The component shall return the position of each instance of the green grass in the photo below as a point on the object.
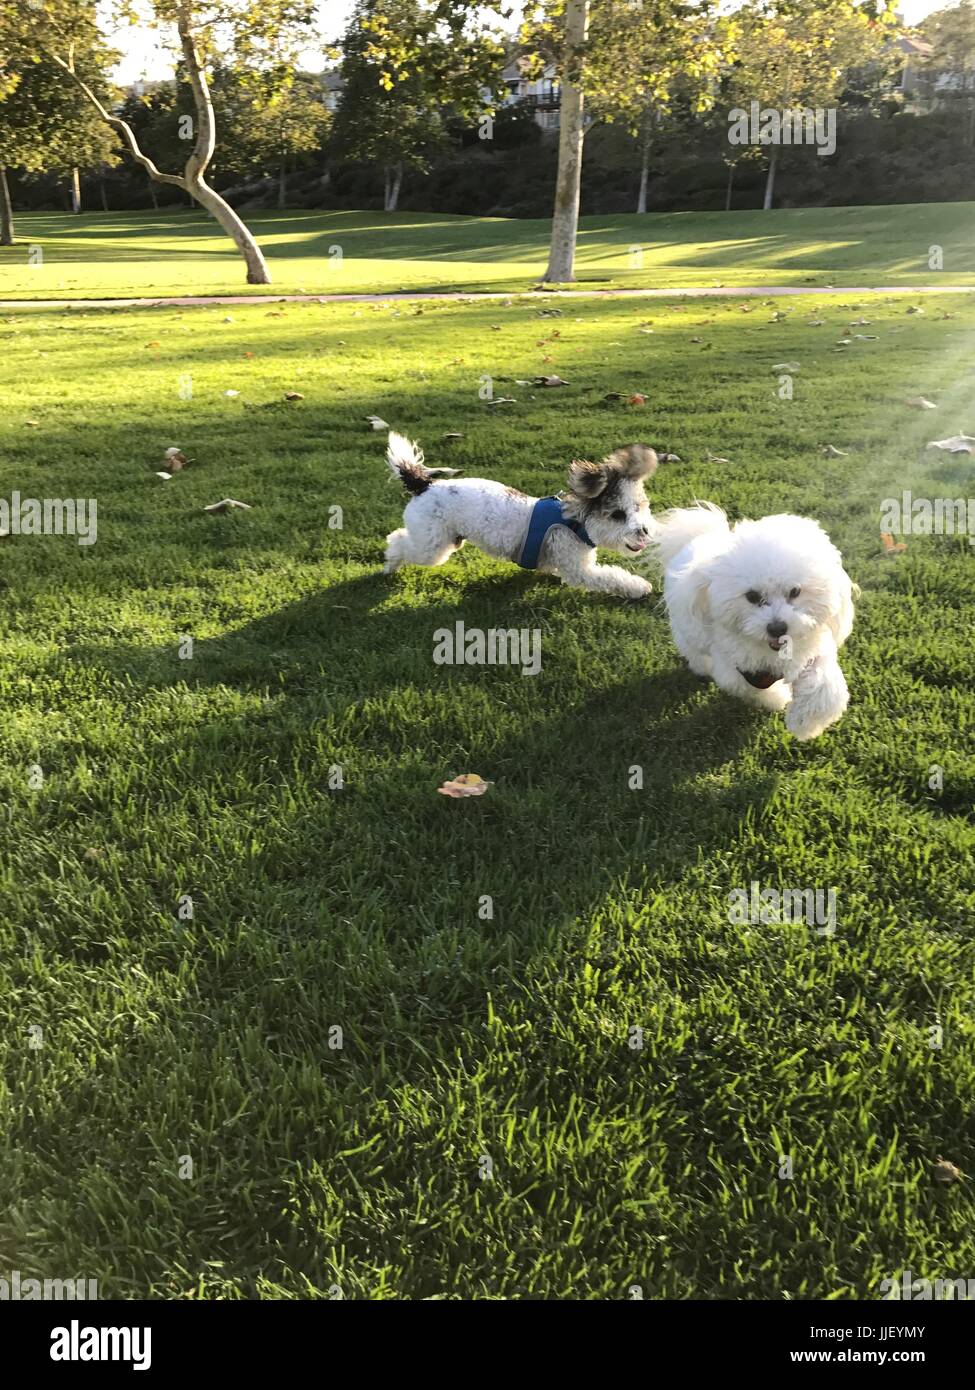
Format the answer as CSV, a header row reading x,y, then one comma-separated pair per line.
x,y
359,1168
177,253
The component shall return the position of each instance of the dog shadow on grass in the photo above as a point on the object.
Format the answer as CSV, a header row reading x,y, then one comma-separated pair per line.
x,y
636,773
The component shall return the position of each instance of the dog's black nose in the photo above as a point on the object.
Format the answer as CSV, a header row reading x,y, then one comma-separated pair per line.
x,y
777,629
644,530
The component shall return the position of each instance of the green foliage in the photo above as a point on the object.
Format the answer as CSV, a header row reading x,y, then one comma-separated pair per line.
x,y
408,67
46,124
267,116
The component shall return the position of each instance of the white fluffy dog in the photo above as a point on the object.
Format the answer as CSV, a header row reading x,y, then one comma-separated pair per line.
x,y
762,607
605,505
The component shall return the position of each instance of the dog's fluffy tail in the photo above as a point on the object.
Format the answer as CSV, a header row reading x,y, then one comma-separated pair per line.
x,y
674,529
405,460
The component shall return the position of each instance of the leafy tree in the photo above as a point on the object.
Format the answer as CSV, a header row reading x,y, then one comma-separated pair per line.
x,y
792,54
407,67
46,127
948,74
254,31
269,118
653,67
618,61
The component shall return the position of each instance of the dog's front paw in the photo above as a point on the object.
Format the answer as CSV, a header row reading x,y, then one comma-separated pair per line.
x,y
803,723
641,589
819,698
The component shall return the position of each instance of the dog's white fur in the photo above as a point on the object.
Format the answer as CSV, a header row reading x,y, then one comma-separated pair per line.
x,y
608,498
795,571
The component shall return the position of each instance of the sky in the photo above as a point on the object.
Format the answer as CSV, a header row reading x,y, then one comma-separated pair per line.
x,y
145,56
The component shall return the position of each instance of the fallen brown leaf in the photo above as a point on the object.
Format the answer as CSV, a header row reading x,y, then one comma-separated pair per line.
x,y
469,784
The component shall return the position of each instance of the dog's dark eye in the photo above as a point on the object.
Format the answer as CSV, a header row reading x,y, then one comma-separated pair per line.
x,y
618,515
794,593
753,596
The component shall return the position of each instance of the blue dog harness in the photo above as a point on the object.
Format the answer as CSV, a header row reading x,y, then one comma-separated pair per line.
x,y
546,513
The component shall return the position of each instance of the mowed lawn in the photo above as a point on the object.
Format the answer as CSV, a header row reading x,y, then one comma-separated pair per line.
x,y
182,252
178,1119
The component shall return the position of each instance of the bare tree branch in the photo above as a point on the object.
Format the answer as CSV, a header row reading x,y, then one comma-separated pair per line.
x,y
127,132
206,134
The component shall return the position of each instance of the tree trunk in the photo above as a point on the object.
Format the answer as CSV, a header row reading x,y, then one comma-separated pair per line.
x,y
75,188
101,186
565,217
209,198
192,180
152,195
770,178
731,184
394,181
6,211
641,202
283,183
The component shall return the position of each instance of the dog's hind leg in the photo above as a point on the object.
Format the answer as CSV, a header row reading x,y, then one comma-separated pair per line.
x,y
428,545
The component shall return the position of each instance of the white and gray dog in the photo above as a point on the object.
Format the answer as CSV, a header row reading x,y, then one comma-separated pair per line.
x,y
762,607
605,505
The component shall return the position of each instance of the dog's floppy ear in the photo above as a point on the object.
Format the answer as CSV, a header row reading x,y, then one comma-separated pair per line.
x,y
587,480
700,604
634,461
840,621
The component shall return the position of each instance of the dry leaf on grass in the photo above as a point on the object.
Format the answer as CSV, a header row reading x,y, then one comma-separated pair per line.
x,y
228,504
377,422
889,544
469,784
293,396
920,403
669,458
176,459
549,381
165,476
636,399
716,458
786,367
502,400
231,394
957,444
915,309
945,1171
832,452
451,436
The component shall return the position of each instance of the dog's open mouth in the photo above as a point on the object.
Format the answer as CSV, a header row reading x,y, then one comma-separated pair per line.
x,y
776,643
640,545
761,680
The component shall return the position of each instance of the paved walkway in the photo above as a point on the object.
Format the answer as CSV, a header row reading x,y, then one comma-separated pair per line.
x,y
712,292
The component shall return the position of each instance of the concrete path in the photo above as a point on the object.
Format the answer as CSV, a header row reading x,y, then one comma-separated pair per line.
x,y
722,292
